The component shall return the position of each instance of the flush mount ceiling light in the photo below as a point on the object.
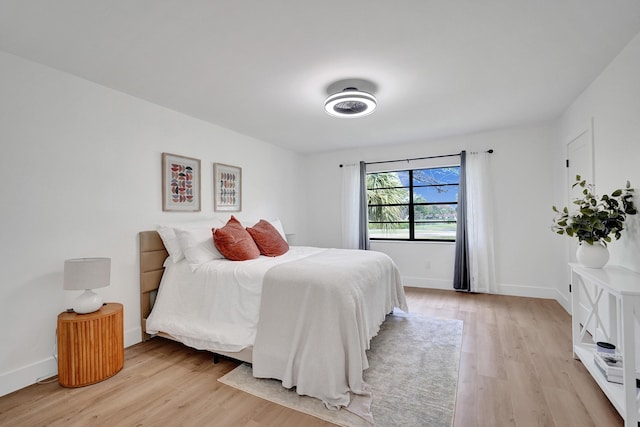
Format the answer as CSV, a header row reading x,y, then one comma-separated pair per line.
x,y
350,103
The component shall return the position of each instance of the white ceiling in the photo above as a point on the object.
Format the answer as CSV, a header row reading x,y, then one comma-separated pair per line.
x,y
262,68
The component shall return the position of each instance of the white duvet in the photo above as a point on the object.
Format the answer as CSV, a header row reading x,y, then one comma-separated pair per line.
x,y
338,300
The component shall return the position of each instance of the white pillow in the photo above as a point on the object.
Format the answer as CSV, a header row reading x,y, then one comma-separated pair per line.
x,y
277,224
171,244
170,239
197,244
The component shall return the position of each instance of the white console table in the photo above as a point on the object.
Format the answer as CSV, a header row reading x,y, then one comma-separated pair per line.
x,y
621,289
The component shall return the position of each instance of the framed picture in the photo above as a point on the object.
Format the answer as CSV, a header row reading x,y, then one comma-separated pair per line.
x,y
180,183
227,187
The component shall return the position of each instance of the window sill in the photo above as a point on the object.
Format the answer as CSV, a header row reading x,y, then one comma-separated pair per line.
x,y
422,242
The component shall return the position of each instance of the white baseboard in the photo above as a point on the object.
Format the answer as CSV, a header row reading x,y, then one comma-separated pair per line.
x,y
25,376
503,289
564,301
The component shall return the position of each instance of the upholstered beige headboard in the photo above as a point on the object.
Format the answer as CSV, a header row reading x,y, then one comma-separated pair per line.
x,y
152,256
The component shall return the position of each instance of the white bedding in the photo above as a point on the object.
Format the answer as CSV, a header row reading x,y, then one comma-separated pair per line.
x,y
215,307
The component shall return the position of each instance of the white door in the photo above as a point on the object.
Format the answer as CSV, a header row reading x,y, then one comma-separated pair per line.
x,y
579,162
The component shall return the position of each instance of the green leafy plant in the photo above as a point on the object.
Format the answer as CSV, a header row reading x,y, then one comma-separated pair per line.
x,y
597,219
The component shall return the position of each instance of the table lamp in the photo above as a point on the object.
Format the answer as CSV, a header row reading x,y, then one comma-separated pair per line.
x,y
87,274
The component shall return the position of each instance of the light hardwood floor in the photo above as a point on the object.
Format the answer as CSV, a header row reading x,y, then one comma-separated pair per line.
x,y
516,369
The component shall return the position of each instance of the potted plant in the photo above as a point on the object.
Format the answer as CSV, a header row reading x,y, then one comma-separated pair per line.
x,y
595,221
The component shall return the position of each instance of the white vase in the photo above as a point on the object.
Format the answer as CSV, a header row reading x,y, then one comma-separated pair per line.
x,y
592,256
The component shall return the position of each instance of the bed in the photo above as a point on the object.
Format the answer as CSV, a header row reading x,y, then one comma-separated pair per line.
x,y
313,312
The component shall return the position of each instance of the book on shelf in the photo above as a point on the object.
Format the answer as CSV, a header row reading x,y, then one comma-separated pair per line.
x,y
610,365
611,368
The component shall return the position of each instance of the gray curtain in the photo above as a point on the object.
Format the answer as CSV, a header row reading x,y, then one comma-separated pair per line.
x,y
461,279
364,209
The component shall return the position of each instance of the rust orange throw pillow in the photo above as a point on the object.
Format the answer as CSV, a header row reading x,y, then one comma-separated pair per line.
x,y
234,242
269,241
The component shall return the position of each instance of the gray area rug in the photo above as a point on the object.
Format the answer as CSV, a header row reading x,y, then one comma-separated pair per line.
x,y
413,374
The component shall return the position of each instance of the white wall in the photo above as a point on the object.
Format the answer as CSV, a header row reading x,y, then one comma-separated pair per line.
x,y
523,198
612,101
80,167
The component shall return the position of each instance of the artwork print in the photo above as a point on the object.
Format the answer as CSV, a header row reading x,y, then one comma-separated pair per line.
x,y
227,184
180,183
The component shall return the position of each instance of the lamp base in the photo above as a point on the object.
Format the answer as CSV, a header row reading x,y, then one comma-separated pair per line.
x,y
87,302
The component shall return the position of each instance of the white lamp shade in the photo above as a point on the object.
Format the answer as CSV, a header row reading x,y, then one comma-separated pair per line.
x,y
86,273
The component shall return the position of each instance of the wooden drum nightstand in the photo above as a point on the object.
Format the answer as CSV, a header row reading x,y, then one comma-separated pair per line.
x,y
90,346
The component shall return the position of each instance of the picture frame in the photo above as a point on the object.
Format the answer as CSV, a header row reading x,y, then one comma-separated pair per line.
x,y
180,183
227,185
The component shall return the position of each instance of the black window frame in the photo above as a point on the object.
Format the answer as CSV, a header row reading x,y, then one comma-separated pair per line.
x,y
412,204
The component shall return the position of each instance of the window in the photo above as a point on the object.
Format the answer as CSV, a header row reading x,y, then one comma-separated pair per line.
x,y
416,204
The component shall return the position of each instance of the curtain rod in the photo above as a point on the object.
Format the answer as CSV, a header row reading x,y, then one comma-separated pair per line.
x,y
418,158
